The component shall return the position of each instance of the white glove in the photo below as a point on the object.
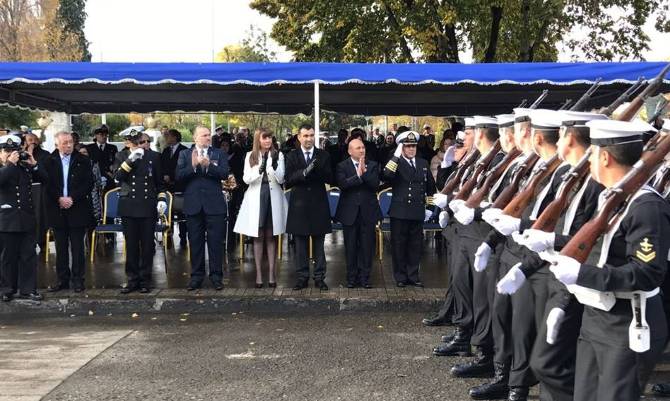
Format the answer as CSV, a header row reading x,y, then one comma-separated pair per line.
x,y
491,214
554,320
482,256
512,281
465,215
505,224
161,207
538,240
456,204
444,218
519,238
103,181
428,215
398,150
485,204
440,200
565,268
448,158
136,154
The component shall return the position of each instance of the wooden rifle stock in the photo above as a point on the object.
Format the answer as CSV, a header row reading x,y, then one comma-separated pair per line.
x,y
521,200
490,178
622,98
581,244
649,91
467,161
523,170
550,215
481,166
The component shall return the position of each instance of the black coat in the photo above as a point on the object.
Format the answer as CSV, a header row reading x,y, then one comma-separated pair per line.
x,y
410,188
357,194
308,209
17,213
202,189
141,185
105,159
169,166
79,186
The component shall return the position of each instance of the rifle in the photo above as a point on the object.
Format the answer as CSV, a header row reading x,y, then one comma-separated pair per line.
x,y
622,98
579,106
639,100
522,104
662,180
490,178
581,244
481,166
517,205
539,99
550,215
523,169
467,161
566,104
659,109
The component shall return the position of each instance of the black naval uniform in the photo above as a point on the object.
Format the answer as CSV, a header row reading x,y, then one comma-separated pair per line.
x,y
410,186
141,188
17,229
607,369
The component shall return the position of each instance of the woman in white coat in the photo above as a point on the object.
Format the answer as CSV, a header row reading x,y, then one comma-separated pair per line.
x,y
264,208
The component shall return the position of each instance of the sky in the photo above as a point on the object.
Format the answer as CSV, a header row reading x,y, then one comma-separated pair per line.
x,y
195,30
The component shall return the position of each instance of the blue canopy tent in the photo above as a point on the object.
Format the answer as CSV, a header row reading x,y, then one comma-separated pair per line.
x,y
289,88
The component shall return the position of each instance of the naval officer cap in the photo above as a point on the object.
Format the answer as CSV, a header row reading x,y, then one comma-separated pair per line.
x,y
408,138
131,133
522,114
505,120
614,132
485,122
10,142
543,119
571,118
469,122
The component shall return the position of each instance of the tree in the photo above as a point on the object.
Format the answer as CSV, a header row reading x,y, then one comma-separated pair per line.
x,y
253,48
436,30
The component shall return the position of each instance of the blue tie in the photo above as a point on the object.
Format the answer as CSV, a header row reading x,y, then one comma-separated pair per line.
x,y
66,170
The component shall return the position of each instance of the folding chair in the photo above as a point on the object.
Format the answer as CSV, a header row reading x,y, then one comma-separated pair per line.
x,y
109,216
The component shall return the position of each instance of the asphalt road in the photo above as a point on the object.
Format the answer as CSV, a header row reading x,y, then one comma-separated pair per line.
x,y
242,357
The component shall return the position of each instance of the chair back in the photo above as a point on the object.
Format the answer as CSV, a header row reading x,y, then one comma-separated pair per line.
x,y
385,198
110,210
333,200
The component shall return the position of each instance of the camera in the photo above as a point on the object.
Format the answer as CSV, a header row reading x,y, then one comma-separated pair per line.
x,y
23,156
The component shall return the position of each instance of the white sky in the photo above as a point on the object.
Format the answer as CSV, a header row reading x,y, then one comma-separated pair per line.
x,y
194,30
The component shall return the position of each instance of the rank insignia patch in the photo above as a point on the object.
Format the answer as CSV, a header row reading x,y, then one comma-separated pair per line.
x,y
646,252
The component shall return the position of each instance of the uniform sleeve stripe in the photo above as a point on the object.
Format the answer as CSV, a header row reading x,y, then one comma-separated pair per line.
x,y
125,167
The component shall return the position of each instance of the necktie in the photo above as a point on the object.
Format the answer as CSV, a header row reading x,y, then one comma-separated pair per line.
x,y
411,162
308,158
356,165
202,152
102,147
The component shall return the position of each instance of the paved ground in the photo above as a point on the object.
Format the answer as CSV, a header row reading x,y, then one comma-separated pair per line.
x,y
350,356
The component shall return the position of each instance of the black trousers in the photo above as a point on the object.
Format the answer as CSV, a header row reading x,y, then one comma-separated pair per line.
x,y
406,240
359,245
206,228
139,236
70,238
461,274
302,257
18,262
450,235
501,320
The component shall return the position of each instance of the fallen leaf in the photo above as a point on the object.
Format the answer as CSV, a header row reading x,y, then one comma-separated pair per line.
x,y
134,315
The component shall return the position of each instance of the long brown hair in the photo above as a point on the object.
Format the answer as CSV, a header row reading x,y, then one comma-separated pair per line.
x,y
255,157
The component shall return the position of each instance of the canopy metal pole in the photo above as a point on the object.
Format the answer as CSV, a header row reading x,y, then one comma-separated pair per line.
x,y
317,115
212,123
386,125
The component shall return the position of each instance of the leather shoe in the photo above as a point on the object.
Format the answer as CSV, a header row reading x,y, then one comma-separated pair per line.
x,y
144,290
493,390
33,296
661,389
300,285
7,297
460,345
58,287
218,285
518,394
400,284
367,286
192,286
79,289
351,285
481,366
435,321
128,290
447,338
417,284
320,284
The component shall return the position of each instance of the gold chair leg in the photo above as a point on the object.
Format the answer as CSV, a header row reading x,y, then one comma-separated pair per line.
x,y
92,246
311,253
46,247
165,250
279,247
381,245
241,247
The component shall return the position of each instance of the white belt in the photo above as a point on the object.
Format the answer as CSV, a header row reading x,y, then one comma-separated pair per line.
x,y
631,294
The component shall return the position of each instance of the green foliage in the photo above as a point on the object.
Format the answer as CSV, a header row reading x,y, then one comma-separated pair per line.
x,y
254,48
71,17
13,118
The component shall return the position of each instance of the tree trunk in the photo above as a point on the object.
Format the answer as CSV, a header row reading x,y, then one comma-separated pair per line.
x,y
404,47
496,16
524,43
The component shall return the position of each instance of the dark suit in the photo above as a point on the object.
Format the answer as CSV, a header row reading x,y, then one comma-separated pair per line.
x,y
205,210
69,225
105,159
358,211
17,228
169,168
410,187
308,209
141,188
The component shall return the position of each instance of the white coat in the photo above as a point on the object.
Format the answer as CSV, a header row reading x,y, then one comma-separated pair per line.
x,y
247,219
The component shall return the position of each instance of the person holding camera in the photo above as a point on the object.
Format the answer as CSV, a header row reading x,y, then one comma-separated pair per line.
x,y
308,170
18,263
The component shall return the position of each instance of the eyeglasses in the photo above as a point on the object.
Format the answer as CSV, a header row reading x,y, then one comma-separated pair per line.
x,y
142,142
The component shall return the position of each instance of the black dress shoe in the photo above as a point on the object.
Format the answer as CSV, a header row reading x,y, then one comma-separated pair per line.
x,y
661,389
518,394
128,290
351,285
447,338
300,285
58,287
496,389
435,321
259,285
144,290
460,345
417,284
272,285
78,289
218,285
367,286
33,296
320,284
481,366
400,284
7,297
192,286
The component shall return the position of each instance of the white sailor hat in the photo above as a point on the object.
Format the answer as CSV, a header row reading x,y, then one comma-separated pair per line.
x,y
131,132
469,122
578,118
666,125
426,126
505,120
10,141
522,114
460,136
544,119
407,138
614,132
485,122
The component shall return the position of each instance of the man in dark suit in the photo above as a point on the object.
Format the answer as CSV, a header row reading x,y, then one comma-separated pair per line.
x,y
358,211
104,154
169,158
69,210
308,170
411,182
200,170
